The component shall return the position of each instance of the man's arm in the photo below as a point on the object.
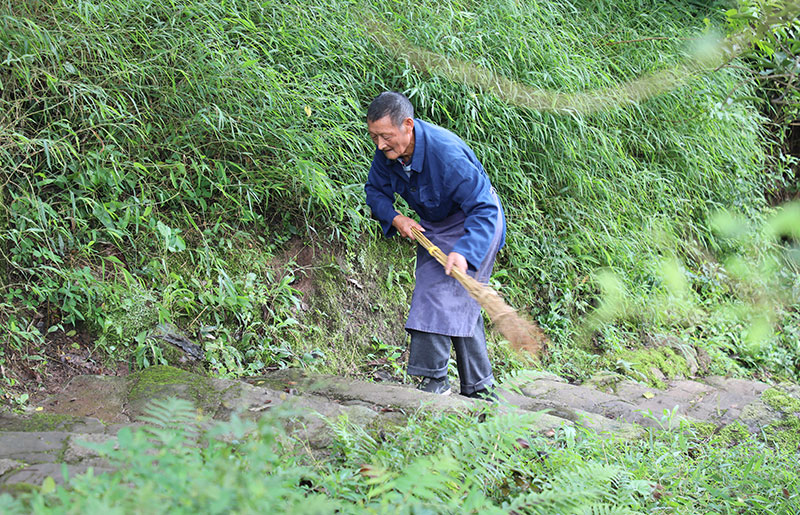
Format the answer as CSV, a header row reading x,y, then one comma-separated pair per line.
x,y
472,191
455,260
380,199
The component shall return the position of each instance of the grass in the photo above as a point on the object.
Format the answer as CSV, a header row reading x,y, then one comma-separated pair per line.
x,y
176,149
161,161
487,462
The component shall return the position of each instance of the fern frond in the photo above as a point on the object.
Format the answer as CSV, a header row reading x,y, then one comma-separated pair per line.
x,y
587,489
170,413
610,509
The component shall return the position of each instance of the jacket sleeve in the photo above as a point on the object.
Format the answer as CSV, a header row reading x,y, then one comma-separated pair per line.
x,y
470,188
380,199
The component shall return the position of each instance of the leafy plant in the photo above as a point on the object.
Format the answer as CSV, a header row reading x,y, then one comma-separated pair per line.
x,y
189,171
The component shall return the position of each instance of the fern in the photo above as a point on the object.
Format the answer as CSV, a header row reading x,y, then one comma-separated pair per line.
x,y
353,441
170,413
445,463
590,489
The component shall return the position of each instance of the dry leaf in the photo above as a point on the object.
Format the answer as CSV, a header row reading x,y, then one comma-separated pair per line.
x,y
658,491
260,408
355,283
369,471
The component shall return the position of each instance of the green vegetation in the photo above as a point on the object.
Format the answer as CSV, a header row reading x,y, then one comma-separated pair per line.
x,y
40,422
159,161
200,164
461,463
773,58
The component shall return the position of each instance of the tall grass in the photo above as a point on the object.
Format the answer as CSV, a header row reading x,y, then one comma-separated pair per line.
x,y
146,143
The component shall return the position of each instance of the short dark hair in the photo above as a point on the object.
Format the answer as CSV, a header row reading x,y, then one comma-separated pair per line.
x,y
392,104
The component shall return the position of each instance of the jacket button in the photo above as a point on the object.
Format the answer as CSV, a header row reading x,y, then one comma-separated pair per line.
x,y
413,190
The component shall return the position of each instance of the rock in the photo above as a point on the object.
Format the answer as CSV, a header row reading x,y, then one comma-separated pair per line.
x,y
36,474
605,381
757,415
359,415
100,397
7,465
42,421
162,382
93,409
76,451
689,353
88,425
172,335
605,426
657,374
527,377
381,395
32,447
561,394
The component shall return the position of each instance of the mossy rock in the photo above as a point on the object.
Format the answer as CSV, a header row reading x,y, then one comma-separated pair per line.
x,y
165,381
733,433
38,422
785,399
604,381
703,429
785,434
653,366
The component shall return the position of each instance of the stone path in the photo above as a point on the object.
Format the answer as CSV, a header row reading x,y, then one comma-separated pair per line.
x,y
94,408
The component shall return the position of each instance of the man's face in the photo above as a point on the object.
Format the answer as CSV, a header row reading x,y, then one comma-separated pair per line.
x,y
393,141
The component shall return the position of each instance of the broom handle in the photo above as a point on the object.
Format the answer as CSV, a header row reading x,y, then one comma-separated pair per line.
x,y
521,333
437,253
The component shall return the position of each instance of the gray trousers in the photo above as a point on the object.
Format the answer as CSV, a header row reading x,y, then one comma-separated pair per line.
x,y
429,355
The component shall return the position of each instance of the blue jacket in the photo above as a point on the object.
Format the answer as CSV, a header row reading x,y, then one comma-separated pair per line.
x,y
446,177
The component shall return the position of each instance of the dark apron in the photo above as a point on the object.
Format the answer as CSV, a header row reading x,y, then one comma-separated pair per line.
x,y
439,303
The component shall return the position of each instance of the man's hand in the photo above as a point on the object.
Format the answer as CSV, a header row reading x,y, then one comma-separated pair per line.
x,y
403,224
454,259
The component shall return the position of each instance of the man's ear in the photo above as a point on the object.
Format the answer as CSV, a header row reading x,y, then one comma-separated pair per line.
x,y
408,124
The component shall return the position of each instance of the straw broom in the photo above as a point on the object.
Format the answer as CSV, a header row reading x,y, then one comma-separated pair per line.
x,y
522,334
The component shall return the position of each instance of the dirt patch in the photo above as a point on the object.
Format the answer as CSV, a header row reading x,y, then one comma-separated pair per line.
x,y
304,256
65,354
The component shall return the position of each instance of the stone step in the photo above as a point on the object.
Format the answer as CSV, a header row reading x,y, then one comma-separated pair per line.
x,y
94,408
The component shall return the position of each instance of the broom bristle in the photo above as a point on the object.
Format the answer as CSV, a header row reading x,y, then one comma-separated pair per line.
x,y
522,334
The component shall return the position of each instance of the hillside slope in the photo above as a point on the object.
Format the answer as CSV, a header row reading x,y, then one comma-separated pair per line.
x,y
169,162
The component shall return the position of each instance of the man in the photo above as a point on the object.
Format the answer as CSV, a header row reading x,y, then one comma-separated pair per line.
x,y
440,178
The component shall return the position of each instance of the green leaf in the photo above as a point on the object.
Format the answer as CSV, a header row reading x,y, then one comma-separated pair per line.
x,y
48,486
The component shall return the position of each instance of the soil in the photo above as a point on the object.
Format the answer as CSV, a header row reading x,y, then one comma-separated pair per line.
x,y
304,256
66,354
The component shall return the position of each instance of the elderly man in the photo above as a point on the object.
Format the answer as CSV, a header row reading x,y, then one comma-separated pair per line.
x,y
440,178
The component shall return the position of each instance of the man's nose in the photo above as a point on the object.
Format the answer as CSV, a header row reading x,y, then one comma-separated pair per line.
x,y
382,143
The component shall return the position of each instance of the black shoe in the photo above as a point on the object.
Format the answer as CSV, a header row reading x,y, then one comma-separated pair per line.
x,y
439,386
483,394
